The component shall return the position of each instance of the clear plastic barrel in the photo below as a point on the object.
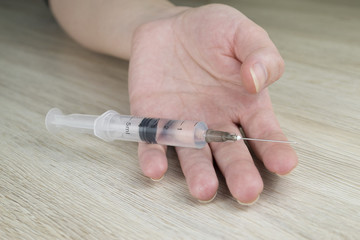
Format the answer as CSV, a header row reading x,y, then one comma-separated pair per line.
x,y
182,133
112,126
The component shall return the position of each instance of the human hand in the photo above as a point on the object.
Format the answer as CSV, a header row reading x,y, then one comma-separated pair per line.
x,y
211,64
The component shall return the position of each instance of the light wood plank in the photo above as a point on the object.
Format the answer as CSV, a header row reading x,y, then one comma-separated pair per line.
x,y
76,186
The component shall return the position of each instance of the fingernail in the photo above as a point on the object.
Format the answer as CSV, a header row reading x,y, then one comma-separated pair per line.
x,y
283,175
207,201
250,203
157,180
259,75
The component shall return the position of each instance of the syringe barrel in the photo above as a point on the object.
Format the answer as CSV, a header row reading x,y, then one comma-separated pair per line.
x,y
112,126
182,133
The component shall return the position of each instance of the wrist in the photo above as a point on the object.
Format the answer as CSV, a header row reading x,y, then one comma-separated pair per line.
x,y
108,26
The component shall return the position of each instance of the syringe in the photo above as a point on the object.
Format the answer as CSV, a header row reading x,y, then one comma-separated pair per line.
x,y
112,126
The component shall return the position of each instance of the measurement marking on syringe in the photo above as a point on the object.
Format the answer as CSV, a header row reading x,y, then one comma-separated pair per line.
x,y
127,127
180,128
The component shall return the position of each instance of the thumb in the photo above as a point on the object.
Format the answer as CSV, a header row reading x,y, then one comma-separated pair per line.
x,y
261,61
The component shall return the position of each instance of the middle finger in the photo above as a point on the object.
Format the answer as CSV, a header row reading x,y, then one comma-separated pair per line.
x,y
236,164
197,166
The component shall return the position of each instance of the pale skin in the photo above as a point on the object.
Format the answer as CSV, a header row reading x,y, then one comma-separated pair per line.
x,y
209,63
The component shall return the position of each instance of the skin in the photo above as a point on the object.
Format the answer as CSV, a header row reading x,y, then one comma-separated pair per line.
x,y
209,63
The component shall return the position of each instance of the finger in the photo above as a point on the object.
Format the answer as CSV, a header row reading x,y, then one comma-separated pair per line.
x,y
279,158
153,161
197,166
236,164
261,61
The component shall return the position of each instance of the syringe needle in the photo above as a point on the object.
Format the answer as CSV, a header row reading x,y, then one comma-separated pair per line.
x,y
264,140
220,136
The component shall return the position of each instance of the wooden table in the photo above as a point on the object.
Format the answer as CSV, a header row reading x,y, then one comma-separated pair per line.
x,y
71,186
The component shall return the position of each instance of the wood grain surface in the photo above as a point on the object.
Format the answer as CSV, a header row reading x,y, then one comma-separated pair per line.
x,y
71,186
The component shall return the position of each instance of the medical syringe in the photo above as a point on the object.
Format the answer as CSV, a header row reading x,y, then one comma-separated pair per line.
x,y
112,126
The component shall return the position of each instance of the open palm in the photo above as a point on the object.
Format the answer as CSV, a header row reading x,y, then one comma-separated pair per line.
x,y
210,64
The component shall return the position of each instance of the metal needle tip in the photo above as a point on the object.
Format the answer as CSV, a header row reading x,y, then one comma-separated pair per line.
x,y
238,138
